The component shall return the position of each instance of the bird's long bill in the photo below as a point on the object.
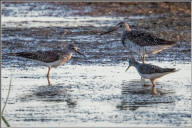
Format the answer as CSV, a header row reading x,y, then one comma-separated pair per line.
x,y
127,68
80,53
110,30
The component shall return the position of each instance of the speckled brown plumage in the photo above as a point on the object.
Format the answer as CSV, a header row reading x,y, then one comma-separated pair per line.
x,y
149,68
140,42
50,59
44,56
151,72
142,38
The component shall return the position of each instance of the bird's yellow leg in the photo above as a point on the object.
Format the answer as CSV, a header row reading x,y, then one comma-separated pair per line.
x,y
48,71
143,58
154,91
142,79
48,76
48,81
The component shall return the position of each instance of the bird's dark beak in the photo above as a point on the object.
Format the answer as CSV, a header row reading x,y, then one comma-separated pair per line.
x,y
127,68
80,53
109,31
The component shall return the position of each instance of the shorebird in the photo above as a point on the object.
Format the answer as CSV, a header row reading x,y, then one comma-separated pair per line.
x,y
140,42
50,58
151,72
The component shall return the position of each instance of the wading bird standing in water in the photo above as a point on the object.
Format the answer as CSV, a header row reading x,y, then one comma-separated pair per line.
x,y
50,58
139,42
151,72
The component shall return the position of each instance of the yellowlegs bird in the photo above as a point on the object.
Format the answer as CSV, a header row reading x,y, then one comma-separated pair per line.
x,y
139,42
151,72
50,58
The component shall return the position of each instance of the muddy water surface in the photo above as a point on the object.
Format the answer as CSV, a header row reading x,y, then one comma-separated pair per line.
x,y
91,91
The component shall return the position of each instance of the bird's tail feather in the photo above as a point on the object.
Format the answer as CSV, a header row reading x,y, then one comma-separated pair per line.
x,y
172,70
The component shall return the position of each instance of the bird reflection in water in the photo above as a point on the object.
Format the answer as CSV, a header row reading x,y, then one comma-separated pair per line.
x,y
134,96
56,93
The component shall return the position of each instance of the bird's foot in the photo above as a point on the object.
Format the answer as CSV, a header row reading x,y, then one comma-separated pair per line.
x,y
155,92
49,84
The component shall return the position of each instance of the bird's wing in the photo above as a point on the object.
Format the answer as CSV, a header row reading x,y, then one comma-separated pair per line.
x,y
149,69
146,39
44,56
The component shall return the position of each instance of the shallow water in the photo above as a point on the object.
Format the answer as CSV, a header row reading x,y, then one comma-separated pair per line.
x,y
91,91
99,95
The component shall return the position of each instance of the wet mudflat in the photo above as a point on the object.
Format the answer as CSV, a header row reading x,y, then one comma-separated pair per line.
x,y
93,91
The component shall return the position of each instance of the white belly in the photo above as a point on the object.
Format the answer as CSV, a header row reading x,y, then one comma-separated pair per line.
x,y
154,75
155,49
61,61
55,64
52,64
142,50
133,47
